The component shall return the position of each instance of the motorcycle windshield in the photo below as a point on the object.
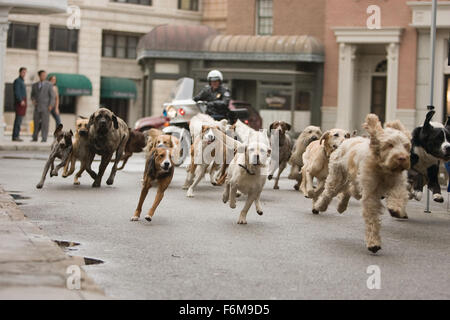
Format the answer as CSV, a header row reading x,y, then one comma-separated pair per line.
x,y
183,89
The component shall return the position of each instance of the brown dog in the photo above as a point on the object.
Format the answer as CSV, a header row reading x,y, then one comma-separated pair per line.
x,y
107,134
136,143
159,169
280,160
61,148
80,150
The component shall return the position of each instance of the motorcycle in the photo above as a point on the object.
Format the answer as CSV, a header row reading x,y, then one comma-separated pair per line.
x,y
181,109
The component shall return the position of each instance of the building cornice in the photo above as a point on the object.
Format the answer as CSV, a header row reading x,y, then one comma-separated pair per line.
x,y
421,14
365,35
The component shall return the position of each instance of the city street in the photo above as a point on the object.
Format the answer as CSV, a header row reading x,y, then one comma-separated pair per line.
x,y
194,249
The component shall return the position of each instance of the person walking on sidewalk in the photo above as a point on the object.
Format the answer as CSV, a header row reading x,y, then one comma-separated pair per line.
x,y
43,97
55,109
20,102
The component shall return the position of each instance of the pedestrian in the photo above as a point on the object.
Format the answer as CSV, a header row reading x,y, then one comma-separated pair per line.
x,y
20,102
43,98
55,108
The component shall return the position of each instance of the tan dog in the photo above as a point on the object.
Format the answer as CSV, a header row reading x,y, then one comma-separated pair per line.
x,y
371,169
315,161
108,134
307,136
80,150
159,170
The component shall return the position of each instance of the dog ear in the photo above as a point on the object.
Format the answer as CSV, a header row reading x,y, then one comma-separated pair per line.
x,y
81,117
354,133
152,165
428,117
347,135
58,129
397,125
373,125
287,126
116,123
71,133
91,121
324,137
272,125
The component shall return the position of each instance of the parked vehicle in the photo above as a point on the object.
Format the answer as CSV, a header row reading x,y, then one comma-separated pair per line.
x,y
254,120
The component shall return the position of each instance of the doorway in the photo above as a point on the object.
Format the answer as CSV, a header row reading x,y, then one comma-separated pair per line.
x,y
378,98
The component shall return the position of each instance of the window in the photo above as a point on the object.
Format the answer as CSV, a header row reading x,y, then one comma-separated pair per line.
x,y
9,98
143,2
63,39
303,101
67,104
118,106
119,46
265,17
188,5
22,36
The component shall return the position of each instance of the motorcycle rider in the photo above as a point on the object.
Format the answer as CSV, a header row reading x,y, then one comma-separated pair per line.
x,y
216,96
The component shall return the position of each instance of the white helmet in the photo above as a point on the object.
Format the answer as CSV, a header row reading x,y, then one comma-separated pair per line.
x,y
215,75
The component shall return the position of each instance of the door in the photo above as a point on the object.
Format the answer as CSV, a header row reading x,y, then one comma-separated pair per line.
x,y
378,99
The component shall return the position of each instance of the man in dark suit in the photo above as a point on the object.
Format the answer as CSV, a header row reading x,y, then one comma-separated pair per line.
x,y
43,97
20,102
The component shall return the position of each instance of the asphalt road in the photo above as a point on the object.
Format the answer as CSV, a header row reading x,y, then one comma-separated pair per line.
x,y
193,248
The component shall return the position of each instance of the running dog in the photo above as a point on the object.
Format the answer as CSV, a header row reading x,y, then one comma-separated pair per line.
x,y
135,144
280,160
315,161
247,173
107,134
61,149
371,169
159,170
80,150
310,134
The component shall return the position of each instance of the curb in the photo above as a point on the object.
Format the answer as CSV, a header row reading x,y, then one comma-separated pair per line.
x,y
32,266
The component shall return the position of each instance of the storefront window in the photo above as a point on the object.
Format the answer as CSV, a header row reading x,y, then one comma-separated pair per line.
x,y
67,104
303,101
276,99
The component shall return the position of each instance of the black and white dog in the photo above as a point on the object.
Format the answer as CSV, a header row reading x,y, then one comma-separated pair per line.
x,y
430,144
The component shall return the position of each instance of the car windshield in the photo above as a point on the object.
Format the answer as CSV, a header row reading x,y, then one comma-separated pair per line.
x,y
183,89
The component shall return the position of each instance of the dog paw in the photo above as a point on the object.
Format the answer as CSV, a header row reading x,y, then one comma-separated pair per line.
x,y
184,187
39,185
438,197
76,183
270,177
96,184
224,199
233,205
297,187
242,221
374,249
315,211
417,195
276,187
64,175
148,218
190,193
260,212
133,218
238,194
53,173
396,214
109,181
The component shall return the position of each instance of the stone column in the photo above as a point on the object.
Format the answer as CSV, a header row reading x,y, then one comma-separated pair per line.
x,y
392,50
346,77
3,38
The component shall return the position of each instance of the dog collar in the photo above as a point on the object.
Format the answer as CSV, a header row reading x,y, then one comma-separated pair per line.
x,y
246,169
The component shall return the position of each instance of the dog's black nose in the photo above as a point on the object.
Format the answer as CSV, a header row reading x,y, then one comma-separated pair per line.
x,y
166,165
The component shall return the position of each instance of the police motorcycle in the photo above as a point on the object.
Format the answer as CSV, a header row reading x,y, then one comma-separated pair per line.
x,y
181,109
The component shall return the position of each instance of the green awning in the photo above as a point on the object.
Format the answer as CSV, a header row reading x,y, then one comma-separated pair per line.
x,y
71,84
119,88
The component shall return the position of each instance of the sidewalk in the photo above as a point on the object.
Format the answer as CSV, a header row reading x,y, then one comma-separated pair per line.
x,y
6,144
31,265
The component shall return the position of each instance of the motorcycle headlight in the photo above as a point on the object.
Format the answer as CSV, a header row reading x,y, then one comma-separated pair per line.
x,y
171,112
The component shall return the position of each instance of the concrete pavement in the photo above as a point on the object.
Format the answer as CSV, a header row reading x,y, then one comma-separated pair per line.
x,y
31,265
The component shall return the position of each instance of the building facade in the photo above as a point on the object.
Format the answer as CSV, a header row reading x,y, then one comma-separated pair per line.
x,y
95,64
